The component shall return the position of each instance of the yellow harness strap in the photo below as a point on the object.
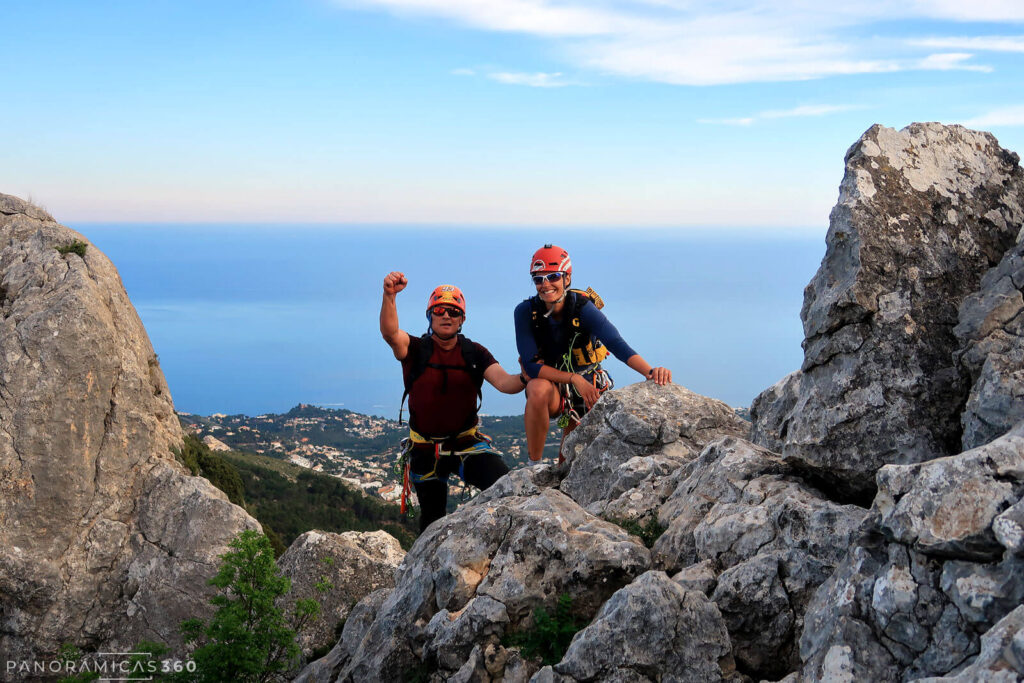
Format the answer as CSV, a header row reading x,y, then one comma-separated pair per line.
x,y
419,438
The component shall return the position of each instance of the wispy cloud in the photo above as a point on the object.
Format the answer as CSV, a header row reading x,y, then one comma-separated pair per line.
x,y
1004,116
463,72
977,43
704,42
534,80
803,110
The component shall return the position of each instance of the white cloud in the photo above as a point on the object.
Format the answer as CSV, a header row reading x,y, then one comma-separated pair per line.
x,y
1005,116
803,110
980,43
534,80
951,61
463,72
706,42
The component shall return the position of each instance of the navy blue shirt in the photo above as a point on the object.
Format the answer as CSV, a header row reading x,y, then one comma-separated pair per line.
x,y
591,318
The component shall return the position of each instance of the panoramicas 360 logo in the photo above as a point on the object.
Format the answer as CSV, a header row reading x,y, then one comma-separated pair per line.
x,y
111,666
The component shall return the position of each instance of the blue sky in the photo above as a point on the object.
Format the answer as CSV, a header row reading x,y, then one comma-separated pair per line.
x,y
486,112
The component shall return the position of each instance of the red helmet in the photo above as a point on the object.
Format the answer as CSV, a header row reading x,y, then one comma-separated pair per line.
x,y
449,295
550,257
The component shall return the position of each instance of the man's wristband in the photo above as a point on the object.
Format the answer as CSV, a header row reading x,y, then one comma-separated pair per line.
x,y
650,374
523,379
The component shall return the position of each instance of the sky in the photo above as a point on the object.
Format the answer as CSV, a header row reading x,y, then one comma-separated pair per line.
x,y
677,113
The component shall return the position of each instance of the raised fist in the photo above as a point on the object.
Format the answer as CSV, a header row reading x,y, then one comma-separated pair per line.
x,y
394,282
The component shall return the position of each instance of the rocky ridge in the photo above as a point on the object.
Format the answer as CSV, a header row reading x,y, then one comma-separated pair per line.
x,y
869,526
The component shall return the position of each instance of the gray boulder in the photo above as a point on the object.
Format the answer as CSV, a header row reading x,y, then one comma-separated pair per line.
x,y
327,668
104,539
991,353
767,538
923,213
633,438
479,573
651,630
1001,659
354,563
931,573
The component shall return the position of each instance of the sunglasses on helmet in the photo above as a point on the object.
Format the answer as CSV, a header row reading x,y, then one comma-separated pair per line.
x,y
547,277
452,312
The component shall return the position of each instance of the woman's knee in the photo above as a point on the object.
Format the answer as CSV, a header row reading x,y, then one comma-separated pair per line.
x,y
539,390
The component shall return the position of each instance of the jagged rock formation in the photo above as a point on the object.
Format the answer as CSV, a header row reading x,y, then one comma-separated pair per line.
x,y
991,353
104,540
923,213
941,563
636,437
354,563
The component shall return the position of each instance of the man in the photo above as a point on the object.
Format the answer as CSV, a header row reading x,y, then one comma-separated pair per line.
x,y
562,338
443,373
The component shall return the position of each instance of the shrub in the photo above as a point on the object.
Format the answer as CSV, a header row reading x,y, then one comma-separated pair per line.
x,y
551,634
648,533
76,247
249,639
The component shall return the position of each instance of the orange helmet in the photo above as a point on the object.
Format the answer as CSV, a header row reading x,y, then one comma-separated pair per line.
x,y
550,257
448,295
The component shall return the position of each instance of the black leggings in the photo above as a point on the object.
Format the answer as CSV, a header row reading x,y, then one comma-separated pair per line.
x,y
477,469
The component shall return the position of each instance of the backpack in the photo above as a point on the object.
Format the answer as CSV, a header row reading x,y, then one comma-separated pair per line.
x,y
585,349
473,364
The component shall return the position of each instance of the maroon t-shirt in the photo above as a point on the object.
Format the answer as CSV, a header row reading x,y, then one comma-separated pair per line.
x,y
440,406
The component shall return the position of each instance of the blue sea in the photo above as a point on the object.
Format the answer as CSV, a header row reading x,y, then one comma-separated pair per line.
x,y
258,318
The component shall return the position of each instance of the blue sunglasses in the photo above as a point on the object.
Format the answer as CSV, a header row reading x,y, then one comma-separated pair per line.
x,y
547,277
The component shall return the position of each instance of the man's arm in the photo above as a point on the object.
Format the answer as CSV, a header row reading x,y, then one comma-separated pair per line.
x,y
396,338
502,381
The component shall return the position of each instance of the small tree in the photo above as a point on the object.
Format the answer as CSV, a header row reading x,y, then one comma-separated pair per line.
x,y
248,639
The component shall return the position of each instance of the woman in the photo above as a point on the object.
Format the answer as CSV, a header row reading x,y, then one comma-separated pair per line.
x,y
562,337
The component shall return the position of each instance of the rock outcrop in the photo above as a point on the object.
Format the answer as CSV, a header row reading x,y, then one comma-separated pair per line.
x,y
104,539
337,570
923,213
939,565
991,353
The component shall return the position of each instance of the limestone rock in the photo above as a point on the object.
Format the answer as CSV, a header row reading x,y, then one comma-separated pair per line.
x,y
923,213
768,539
991,353
1001,659
354,563
929,575
653,629
481,571
948,506
99,525
326,669
636,435
215,444
771,411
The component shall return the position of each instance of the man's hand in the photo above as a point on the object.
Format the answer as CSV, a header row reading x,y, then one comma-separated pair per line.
x,y
394,283
586,389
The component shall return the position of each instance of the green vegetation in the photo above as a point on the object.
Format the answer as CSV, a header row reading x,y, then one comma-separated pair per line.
x,y
201,461
289,500
648,533
551,634
248,639
309,500
76,247
72,656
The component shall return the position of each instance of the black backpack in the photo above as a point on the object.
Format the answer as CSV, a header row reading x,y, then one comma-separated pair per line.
x,y
470,356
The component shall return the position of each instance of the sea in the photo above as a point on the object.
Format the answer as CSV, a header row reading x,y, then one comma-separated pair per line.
x,y
256,319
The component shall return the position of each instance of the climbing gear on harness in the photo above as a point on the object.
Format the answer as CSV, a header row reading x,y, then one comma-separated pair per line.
x,y
443,447
473,364
586,350
550,257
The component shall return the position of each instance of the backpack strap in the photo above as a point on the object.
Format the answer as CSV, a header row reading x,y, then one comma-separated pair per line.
x,y
472,363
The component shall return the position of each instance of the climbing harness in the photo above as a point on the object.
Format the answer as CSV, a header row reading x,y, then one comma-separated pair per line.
x,y
481,444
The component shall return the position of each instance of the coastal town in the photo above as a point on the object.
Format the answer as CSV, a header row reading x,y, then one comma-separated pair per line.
x,y
362,450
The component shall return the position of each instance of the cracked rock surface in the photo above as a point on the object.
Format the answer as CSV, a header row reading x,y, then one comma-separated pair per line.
x,y
633,438
923,213
931,575
991,353
354,563
479,573
104,541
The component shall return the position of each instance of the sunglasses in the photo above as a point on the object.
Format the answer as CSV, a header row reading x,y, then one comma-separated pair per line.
x,y
452,312
547,277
